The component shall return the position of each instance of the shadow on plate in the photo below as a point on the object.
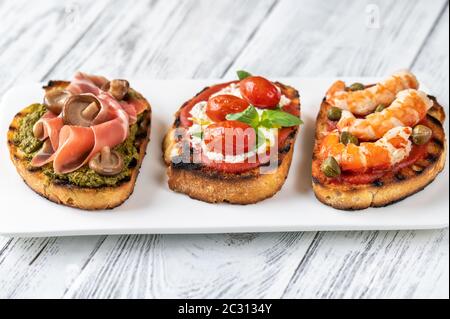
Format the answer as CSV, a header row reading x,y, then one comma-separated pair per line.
x,y
303,179
152,176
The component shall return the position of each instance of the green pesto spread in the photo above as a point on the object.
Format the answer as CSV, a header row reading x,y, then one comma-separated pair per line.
x,y
24,138
83,177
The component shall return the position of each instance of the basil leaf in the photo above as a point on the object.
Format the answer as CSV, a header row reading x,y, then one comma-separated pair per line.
x,y
260,138
274,119
198,135
243,74
250,116
266,121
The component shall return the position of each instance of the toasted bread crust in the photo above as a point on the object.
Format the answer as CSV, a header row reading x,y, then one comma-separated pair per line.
x,y
68,194
212,186
392,187
234,189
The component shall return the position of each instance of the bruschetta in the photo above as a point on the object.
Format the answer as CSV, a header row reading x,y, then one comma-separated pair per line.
x,y
377,144
84,144
233,142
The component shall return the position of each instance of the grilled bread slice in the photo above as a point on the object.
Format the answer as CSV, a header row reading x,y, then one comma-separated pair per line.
x,y
393,186
68,194
213,186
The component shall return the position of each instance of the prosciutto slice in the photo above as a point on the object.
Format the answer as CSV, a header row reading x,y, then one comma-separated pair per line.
x,y
76,144
131,111
52,125
80,144
71,147
84,83
140,106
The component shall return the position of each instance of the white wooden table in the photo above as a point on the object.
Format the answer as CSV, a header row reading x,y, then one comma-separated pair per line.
x,y
43,40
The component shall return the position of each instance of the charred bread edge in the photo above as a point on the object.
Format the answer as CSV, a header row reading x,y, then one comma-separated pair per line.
x,y
214,186
67,194
233,190
364,196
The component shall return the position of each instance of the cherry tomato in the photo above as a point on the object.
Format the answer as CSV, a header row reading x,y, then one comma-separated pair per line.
x,y
229,137
221,105
185,112
260,92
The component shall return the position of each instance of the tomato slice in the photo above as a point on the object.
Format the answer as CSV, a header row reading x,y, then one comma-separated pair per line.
x,y
292,109
229,137
260,92
231,167
185,112
221,105
417,153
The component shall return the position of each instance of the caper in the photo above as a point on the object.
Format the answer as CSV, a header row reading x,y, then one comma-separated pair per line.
x,y
356,87
380,108
334,114
421,134
330,167
347,138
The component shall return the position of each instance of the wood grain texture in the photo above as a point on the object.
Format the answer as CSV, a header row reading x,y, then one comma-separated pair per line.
x,y
328,38
168,39
407,264
432,61
43,267
29,46
202,266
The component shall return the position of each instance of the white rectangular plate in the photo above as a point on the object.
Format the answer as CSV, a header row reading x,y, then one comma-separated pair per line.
x,y
154,209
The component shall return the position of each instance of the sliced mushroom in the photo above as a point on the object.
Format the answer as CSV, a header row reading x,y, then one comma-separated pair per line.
x,y
107,162
81,110
54,100
117,88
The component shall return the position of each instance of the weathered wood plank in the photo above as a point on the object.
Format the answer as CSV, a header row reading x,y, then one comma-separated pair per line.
x,y
4,243
432,62
45,267
311,38
166,39
213,266
407,264
31,44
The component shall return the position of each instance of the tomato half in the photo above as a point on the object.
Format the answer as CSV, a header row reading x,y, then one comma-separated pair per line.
x,y
260,92
221,105
229,137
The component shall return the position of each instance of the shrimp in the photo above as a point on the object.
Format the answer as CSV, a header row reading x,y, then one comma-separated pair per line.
x,y
365,101
410,107
391,149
